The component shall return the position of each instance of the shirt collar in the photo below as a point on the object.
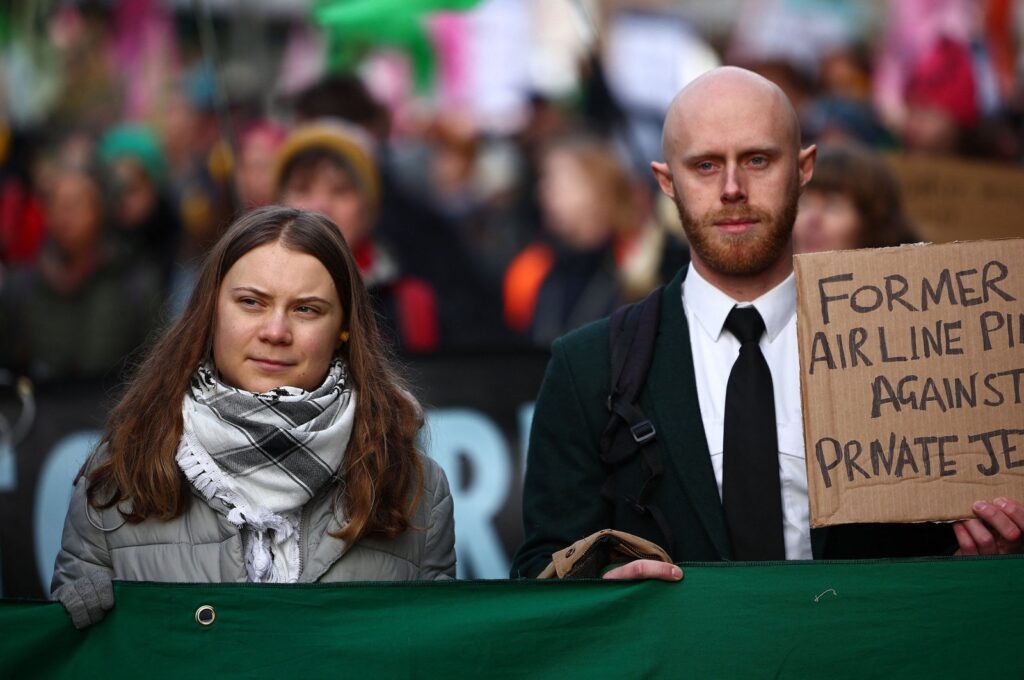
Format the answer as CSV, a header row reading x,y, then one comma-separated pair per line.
x,y
711,306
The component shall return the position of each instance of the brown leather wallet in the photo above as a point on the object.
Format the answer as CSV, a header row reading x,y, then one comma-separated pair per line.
x,y
588,557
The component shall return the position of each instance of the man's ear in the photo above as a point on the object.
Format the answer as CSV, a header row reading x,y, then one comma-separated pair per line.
x,y
805,163
664,177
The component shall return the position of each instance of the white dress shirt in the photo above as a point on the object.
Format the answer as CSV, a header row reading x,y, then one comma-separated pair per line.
x,y
714,352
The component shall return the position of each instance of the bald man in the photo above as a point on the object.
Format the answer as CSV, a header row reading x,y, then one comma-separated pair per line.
x,y
734,168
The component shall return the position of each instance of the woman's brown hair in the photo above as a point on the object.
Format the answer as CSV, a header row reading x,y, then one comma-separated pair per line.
x,y
381,465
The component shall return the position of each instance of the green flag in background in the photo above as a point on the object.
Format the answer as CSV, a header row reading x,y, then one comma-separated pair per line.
x,y
355,26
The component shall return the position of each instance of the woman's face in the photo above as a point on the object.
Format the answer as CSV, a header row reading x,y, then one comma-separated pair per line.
x,y
572,207
137,193
74,213
277,322
330,189
255,174
826,220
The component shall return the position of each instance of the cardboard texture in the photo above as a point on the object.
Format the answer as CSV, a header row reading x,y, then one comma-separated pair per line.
x,y
947,199
912,378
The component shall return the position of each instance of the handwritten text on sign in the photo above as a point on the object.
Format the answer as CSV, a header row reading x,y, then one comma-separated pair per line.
x,y
912,376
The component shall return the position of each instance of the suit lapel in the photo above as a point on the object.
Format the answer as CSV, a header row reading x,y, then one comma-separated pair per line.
x,y
671,395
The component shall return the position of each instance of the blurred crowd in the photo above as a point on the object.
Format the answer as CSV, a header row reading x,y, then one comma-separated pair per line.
x,y
118,174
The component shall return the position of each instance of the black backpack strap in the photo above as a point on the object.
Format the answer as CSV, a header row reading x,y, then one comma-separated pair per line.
x,y
632,333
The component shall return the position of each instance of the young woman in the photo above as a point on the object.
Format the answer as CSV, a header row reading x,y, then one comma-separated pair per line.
x,y
852,201
264,439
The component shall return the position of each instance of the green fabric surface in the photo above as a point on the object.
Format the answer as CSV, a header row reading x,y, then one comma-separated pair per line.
x,y
949,618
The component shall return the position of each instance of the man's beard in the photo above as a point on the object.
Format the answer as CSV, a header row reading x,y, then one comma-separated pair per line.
x,y
745,254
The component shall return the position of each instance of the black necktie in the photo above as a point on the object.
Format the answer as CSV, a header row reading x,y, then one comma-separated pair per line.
x,y
751,493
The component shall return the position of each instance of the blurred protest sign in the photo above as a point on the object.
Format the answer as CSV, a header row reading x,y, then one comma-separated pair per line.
x,y
948,199
635,40
912,373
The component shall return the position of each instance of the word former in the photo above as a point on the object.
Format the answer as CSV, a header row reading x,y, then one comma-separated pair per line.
x,y
967,287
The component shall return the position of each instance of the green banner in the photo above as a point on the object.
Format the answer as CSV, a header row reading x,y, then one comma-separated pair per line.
x,y
949,618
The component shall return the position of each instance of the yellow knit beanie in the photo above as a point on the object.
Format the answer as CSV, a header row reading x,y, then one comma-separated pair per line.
x,y
351,144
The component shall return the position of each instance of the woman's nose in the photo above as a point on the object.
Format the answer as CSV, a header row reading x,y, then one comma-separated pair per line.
x,y
276,329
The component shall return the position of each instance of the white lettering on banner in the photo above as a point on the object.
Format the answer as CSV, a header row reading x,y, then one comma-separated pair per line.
x,y
525,417
53,495
8,469
463,432
8,481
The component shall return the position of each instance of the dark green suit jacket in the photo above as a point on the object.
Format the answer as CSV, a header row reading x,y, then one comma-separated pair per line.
x,y
562,500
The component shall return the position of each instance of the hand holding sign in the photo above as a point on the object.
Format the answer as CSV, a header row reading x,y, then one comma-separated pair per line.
x,y
998,530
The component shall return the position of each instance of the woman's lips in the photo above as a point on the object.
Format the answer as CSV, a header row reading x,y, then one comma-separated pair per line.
x,y
271,365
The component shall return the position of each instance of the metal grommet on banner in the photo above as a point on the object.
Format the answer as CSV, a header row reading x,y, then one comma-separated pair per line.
x,y
206,615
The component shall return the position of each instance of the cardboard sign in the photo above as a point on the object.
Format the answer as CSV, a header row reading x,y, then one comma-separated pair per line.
x,y
947,199
912,379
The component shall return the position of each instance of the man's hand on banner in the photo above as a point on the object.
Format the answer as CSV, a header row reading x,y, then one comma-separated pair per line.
x,y
998,529
646,569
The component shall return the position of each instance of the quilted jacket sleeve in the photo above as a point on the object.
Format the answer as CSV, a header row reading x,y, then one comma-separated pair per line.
x,y
82,572
439,554
83,546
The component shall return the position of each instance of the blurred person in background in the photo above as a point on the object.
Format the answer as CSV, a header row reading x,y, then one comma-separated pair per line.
x,y
81,310
200,174
423,243
841,110
257,153
580,272
22,228
546,121
200,166
144,214
473,182
328,167
852,201
943,76
941,99
88,90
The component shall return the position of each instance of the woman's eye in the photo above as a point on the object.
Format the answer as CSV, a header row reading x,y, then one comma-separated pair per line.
x,y
306,309
248,302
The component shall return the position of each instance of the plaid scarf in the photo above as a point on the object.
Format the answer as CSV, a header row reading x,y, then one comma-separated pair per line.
x,y
265,456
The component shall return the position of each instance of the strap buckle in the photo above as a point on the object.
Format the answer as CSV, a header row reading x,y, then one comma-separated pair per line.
x,y
643,432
